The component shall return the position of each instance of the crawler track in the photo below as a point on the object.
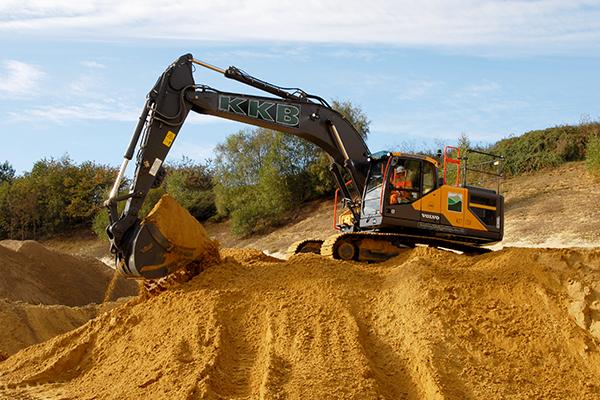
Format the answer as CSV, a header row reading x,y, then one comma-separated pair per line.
x,y
376,246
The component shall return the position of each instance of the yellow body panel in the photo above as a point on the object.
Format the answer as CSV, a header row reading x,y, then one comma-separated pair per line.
x,y
437,202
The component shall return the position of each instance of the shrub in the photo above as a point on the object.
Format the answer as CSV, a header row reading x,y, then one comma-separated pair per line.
x,y
592,158
539,149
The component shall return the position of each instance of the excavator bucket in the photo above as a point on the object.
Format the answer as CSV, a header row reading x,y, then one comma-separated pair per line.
x,y
168,239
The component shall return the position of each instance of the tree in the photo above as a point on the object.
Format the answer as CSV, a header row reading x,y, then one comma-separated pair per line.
x,y
354,114
7,172
54,196
6,221
464,143
23,207
253,169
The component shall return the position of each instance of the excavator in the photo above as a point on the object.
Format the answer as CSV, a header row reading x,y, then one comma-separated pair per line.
x,y
389,200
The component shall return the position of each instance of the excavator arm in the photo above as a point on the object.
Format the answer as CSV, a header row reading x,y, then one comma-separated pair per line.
x,y
169,102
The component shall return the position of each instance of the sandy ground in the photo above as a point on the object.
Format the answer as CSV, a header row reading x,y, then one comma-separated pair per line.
x,y
25,324
517,323
557,208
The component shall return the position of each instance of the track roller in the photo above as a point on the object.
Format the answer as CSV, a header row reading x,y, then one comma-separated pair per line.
x,y
346,250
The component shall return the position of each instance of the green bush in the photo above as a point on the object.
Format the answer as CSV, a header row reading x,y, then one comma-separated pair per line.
x,y
255,174
592,158
546,148
191,184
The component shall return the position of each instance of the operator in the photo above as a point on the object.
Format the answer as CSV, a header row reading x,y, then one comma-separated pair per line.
x,y
399,182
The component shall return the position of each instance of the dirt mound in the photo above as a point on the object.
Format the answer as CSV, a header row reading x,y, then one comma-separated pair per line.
x,y
517,323
32,273
26,324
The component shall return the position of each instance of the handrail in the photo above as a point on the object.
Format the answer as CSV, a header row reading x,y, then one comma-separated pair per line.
x,y
335,202
450,160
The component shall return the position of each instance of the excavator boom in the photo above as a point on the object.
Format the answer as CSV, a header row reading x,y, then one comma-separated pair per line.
x,y
169,102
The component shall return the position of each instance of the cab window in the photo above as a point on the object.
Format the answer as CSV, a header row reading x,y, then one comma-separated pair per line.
x,y
428,177
372,199
405,181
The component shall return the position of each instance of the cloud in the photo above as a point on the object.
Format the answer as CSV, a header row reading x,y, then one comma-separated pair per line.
x,y
93,64
107,110
472,95
83,85
534,26
417,89
65,114
19,78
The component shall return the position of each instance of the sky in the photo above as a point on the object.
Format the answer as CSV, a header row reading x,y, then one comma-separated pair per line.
x,y
74,74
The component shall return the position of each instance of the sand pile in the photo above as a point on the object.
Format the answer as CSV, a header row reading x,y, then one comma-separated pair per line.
x,y
518,323
34,274
25,324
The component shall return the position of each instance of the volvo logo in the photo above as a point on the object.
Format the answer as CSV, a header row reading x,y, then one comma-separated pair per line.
x,y
432,217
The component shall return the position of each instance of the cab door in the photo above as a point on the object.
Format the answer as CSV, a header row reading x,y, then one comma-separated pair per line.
x,y
430,205
403,189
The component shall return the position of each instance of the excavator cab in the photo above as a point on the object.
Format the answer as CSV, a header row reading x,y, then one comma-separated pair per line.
x,y
394,183
413,194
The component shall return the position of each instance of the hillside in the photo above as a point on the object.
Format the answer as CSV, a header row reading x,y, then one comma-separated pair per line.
x,y
553,208
549,208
